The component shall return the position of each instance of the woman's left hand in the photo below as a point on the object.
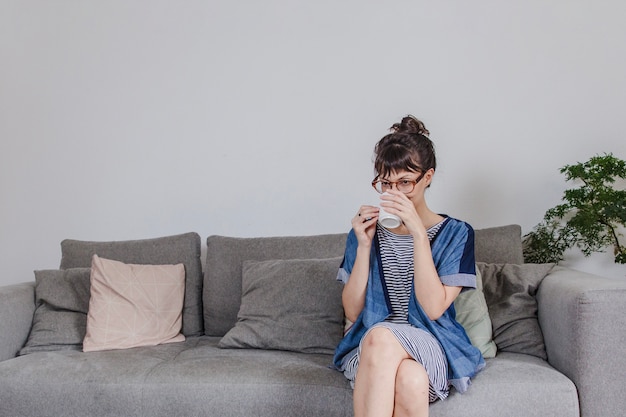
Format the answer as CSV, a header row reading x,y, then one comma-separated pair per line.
x,y
398,203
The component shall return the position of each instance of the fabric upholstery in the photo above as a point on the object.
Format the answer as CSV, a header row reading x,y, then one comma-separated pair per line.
x,y
62,302
225,255
134,305
196,378
500,245
291,305
583,322
183,248
17,306
224,265
581,317
472,313
513,384
192,378
510,291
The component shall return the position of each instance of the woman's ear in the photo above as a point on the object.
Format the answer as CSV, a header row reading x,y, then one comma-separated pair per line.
x,y
429,176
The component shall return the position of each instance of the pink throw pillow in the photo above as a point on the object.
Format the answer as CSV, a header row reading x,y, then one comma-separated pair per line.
x,y
134,305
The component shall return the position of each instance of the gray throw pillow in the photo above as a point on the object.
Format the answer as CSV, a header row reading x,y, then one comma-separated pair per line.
x,y
510,291
167,250
61,305
292,305
224,260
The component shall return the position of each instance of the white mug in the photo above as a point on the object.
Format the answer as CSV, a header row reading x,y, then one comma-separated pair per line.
x,y
388,220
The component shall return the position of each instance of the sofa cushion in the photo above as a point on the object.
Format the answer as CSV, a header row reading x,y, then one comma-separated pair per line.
x,y
224,266
184,248
510,291
513,385
134,305
62,301
192,378
195,378
291,305
502,244
472,313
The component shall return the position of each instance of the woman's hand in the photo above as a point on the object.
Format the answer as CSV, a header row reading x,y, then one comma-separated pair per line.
x,y
399,204
364,225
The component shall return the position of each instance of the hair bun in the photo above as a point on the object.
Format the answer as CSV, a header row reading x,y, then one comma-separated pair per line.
x,y
411,125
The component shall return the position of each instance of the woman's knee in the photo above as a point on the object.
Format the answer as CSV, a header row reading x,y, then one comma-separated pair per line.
x,y
411,380
381,342
412,386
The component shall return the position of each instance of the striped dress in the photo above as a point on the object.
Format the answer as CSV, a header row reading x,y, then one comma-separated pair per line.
x,y
397,262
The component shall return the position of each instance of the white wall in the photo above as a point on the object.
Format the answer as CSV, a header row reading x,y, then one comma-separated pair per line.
x,y
136,119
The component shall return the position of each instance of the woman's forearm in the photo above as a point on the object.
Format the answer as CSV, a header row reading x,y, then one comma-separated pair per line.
x,y
353,295
432,295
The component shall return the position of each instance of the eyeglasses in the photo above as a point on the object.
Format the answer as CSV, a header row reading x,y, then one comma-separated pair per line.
x,y
404,186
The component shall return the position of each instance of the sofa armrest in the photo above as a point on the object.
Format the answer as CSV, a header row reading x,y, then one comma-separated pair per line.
x,y
17,306
583,319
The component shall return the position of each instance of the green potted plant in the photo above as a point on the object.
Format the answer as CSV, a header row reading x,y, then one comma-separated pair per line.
x,y
589,217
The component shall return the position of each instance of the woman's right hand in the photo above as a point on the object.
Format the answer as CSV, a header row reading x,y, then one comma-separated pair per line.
x,y
364,225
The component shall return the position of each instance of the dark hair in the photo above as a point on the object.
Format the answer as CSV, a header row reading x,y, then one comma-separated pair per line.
x,y
407,147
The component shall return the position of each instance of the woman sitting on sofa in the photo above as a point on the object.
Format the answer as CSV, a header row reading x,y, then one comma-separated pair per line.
x,y
405,348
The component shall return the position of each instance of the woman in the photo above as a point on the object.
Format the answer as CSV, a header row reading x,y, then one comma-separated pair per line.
x,y
405,348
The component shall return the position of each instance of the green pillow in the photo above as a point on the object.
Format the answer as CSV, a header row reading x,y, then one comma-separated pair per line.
x,y
472,313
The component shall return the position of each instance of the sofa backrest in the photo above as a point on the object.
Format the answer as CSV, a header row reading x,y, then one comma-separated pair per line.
x,y
225,256
183,248
223,270
499,245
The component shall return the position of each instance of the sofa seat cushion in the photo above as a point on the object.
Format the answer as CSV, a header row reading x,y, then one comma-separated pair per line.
x,y
513,384
190,378
196,377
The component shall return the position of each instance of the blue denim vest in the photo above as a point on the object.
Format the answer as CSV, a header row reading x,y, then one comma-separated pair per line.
x,y
453,253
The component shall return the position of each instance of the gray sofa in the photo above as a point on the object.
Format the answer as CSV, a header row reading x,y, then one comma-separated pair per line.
x,y
224,368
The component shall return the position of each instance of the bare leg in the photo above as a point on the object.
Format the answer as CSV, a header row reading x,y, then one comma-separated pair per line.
x,y
411,390
375,383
